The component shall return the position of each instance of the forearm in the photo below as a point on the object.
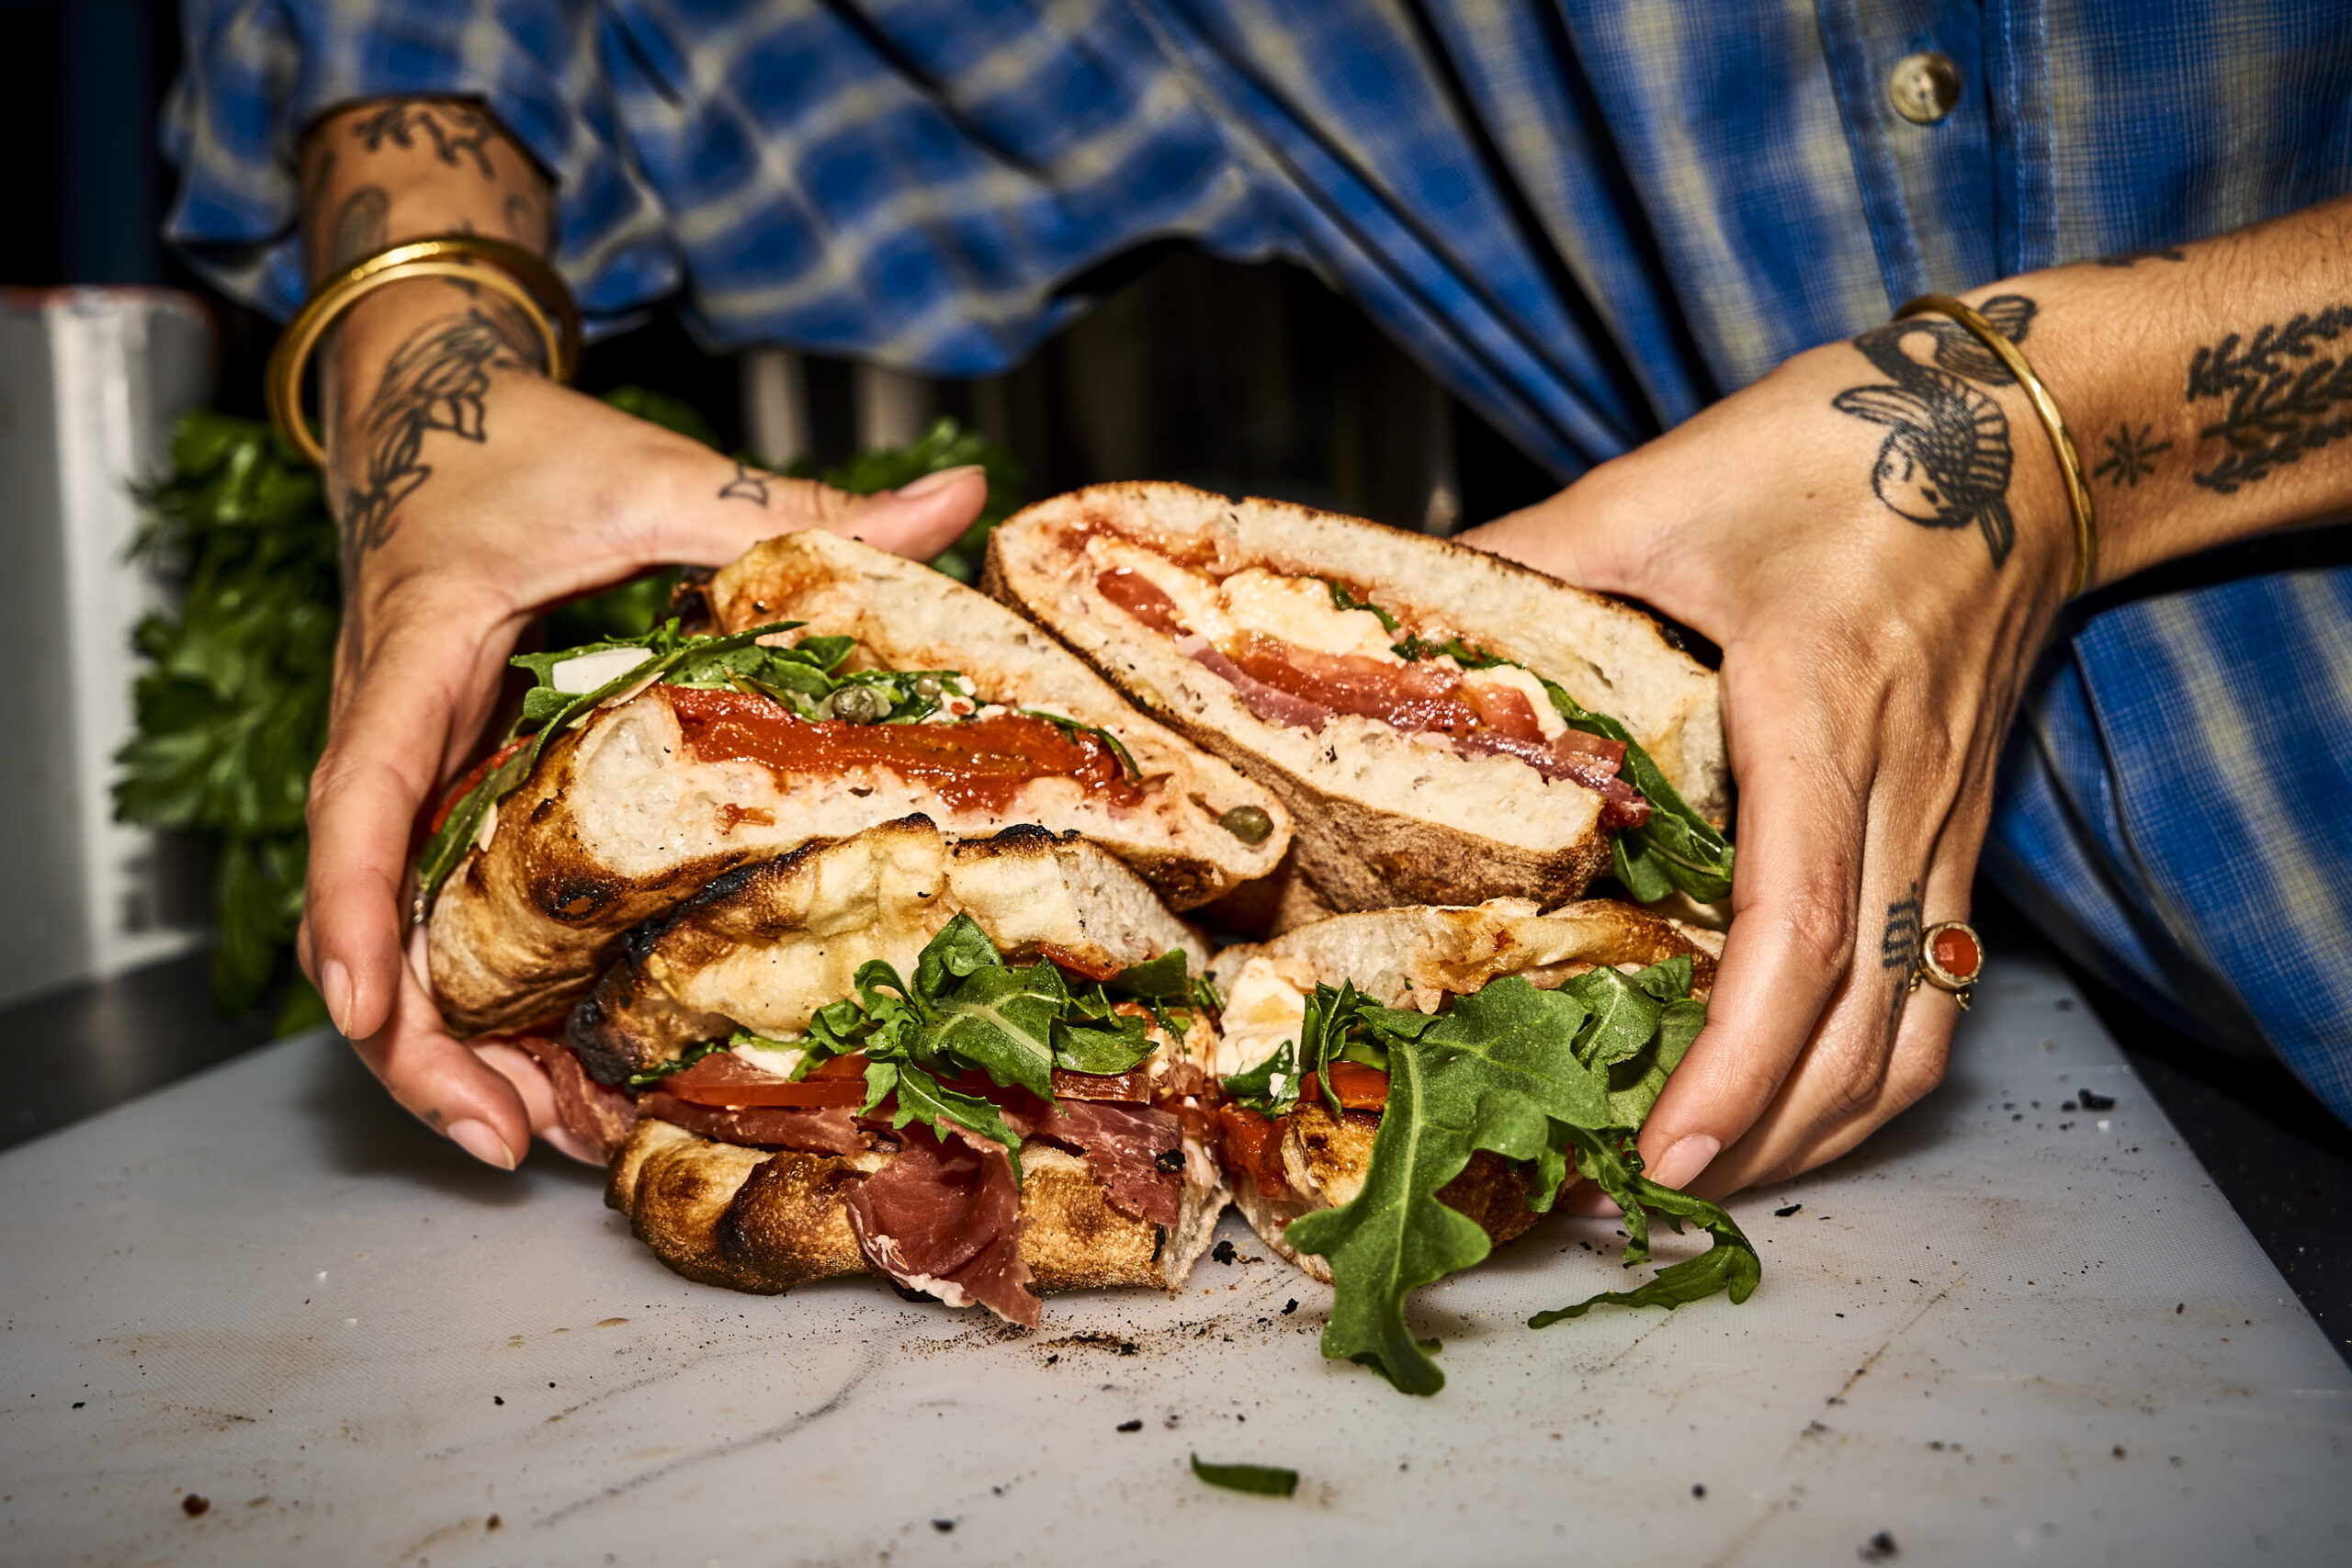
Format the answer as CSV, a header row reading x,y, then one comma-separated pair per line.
x,y
378,174
2208,388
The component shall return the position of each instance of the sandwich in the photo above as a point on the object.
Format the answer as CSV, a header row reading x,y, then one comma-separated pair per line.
x,y
846,688
959,1065
1444,726
1405,1089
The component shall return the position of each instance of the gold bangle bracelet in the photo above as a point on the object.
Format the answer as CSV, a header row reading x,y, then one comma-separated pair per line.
x,y
510,271
2070,462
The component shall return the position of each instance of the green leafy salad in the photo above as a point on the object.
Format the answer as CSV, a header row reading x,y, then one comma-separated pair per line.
x,y
1676,849
1541,1076
968,1011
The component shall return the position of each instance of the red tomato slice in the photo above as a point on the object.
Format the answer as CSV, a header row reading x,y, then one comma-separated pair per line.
x,y
1358,1088
458,791
723,1079
1253,1142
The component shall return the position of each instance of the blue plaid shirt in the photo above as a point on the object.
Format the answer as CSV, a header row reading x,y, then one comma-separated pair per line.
x,y
1589,217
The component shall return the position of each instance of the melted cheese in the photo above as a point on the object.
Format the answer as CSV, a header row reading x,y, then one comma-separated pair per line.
x,y
1262,1008
587,672
1298,611
768,1059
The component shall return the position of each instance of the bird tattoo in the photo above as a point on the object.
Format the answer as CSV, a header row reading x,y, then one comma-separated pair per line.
x,y
1946,459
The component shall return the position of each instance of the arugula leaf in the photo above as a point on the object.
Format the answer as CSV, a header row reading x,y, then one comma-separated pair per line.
x,y
1272,1086
1530,1074
1108,1045
1161,980
1001,1021
661,1070
1729,1264
1493,1074
1343,600
1265,1480
1127,761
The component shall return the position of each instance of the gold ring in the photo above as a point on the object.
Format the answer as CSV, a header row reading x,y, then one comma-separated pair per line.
x,y
508,270
1952,958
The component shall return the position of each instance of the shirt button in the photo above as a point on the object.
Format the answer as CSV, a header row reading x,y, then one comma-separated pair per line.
x,y
1925,87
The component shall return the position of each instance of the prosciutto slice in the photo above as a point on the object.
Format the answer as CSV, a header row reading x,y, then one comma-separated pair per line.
x,y
1124,1145
597,1114
944,1218
831,1130
1268,702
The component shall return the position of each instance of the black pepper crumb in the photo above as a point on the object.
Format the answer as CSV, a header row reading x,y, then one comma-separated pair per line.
x,y
2120,1453
2069,1105
1052,1359
196,1502
1878,1549
1784,1214
2181,1308
1222,1252
498,1399
2096,1101
1698,1489
943,1526
1290,1306
1131,1426
79,1403
492,1523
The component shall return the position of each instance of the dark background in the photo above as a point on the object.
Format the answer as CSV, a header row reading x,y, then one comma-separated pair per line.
x,y
1254,380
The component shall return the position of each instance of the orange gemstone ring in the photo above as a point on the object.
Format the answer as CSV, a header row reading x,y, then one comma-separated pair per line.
x,y
1952,958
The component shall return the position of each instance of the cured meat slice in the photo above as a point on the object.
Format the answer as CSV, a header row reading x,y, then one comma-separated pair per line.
x,y
597,1115
944,1218
1125,1145
830,1130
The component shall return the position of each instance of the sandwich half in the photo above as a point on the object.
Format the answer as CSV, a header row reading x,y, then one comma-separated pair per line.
x,y
959,1066
1405,1089
1445,725
649,767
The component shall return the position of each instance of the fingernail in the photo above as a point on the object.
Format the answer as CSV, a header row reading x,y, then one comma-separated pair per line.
x,y
932,484
335,989
1680,1165
480,1139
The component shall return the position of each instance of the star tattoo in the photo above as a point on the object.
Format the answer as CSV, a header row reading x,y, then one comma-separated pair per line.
x,y
2131,457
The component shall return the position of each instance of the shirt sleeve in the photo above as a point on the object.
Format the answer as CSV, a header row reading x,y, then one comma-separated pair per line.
x,y
258,74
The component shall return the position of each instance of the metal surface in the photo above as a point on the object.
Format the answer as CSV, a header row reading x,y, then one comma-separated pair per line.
x,y
1993,1334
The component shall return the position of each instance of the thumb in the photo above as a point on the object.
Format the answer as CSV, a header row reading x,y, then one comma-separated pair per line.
x,y
709,524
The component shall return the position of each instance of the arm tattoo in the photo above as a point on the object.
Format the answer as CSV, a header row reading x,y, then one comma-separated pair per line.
x,y
2130,458
456,130
2133,258
2281,396
1946,460
749,484
435,381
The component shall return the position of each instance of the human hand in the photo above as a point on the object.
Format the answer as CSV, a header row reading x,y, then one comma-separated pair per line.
x,y
1878,541
473,494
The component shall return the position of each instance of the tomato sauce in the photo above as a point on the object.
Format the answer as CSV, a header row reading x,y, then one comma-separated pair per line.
x,y
1141,597
978,763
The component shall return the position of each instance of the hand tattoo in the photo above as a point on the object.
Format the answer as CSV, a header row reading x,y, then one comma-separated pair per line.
x,y
749,484
2282,397
1898,946
455,129
1946,461
435,381
2133,258
2131,459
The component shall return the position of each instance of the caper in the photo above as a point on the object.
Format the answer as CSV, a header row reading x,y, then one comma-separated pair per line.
x,y
928,688
1246,823
855,704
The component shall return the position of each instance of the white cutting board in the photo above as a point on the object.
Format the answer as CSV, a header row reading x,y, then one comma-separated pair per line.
x,y
1993,1334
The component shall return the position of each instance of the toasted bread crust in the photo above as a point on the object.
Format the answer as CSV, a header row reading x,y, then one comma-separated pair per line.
x,y
1357,853
766,945
750,1220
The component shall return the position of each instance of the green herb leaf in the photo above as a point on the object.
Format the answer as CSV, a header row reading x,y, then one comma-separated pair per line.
x,y
1161,980
1495,1074
1126,762
1001,1021
1624,1018
1265,1480
1730,1264
1272,1086
1343,600
661,1070
922,1099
